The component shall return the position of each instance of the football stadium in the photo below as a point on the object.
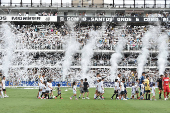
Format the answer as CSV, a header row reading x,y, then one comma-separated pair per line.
x,y
84,56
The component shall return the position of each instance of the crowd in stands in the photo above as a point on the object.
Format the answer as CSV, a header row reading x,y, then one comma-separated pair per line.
x,y
53,38
49,38
39,14
41,37
103,14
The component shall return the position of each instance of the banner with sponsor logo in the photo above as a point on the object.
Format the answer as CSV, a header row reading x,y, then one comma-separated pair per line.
x,y
111,19
82,19
29,18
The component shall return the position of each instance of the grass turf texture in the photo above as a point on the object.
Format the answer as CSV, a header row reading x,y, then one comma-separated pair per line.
x,y
25,101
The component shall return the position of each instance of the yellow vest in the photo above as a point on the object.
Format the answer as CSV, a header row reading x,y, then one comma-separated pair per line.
x,y
147,87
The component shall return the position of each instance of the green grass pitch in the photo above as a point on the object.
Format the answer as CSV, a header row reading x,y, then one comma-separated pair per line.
x,y
25,101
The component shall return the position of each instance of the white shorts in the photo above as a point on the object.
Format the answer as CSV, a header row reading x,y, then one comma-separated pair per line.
x,y
74,92
153,94
102,91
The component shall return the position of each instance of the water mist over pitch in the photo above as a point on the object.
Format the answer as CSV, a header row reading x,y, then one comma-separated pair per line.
x,y
163,53
88,50
8,46
116,57
142,58
72,46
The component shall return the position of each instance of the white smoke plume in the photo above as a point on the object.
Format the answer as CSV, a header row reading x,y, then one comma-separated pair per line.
x,y
9,45
163,53
88,50
142,58
116,57
72,47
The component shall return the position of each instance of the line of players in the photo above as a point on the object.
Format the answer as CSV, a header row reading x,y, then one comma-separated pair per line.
x,y
45,89
3,88
144,85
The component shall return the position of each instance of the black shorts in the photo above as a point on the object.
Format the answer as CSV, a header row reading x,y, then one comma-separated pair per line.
x,y
122,92
4,89
116,91
137,91
160,88
59,93
43,93
47,92
98,91
81,91
39,88
86,90
147,91
51,91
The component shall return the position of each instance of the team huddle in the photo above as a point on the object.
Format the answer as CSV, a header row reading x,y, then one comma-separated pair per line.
x,y
141,88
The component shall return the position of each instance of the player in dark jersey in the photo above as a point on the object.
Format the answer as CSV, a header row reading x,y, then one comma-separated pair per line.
x,y
85,88
59,92
159,81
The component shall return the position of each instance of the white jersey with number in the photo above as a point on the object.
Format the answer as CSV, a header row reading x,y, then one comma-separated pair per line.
x,y
3,83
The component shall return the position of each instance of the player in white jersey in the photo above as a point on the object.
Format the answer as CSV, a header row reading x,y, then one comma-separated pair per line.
x,y
119,81
119,78
99,89
48,88
74,91
153,91
142,90
133,91
3,86
96,82
137,88
102,86
51,90
43,90
115,89
40,85
122,88
1,91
